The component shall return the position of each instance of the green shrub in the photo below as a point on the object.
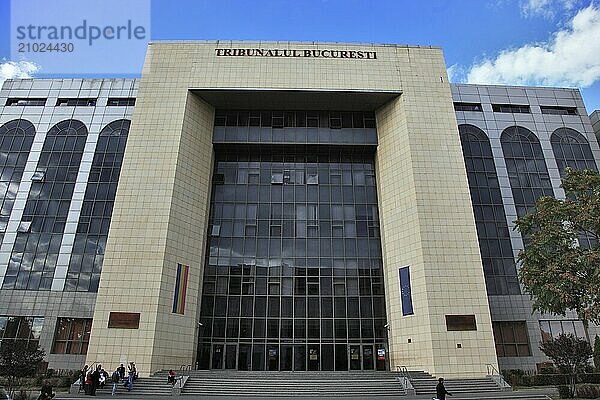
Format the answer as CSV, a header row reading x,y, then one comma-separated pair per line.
x,y
65,381
564,392
590,378
520,378
549,380
588,391
514,377
546,368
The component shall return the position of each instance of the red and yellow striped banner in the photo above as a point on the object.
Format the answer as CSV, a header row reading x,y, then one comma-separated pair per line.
x,y
180,288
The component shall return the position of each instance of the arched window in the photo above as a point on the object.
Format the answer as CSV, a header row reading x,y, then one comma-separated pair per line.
x,y
33,259
492,229
16,137
92,231
527,171
571,149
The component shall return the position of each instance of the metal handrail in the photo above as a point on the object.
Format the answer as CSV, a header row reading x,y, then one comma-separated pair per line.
x,y
403,371
492,371
405,379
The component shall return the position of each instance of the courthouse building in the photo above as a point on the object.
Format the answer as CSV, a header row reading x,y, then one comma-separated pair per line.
x,y
279,206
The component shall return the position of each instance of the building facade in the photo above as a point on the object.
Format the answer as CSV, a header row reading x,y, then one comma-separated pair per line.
x,y
62,148
280,206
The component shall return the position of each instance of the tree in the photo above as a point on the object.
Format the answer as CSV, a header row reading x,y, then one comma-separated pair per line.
x,y
19,359
569,353
560,265
597,353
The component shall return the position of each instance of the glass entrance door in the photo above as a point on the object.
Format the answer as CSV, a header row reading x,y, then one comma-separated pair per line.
x,y
272,357
368,358
381,355
217,356
245,357
230,356
287,357
313,357
355,357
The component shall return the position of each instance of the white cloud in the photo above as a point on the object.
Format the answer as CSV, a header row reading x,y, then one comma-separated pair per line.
x,y
546,8
17,70
455,73
570,58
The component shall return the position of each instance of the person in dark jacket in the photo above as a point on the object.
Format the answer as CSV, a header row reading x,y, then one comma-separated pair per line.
x,y
171,377
46,392
82,378
121,370
440,390
95,380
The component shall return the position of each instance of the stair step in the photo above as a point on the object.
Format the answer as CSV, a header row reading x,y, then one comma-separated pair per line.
x,y
291,384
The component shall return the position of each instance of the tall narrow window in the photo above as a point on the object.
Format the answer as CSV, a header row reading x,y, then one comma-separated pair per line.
x,y
571,149
492,230
527,171
94,222
16,138
33,259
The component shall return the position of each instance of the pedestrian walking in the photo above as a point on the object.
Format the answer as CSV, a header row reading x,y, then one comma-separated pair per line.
x,y
121,370
82,378
440,390
115,380
171,377
95,378
132,373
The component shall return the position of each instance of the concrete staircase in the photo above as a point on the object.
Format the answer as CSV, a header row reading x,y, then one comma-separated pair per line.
x,y
325,384
153,386
481,388
424,384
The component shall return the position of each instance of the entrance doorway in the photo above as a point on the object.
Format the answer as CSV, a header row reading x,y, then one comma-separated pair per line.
x,y
313,357
217,356
354,353
273,357
296,357
230,356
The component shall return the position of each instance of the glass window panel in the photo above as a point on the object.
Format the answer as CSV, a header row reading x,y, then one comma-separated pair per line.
x,y
268,240
485,192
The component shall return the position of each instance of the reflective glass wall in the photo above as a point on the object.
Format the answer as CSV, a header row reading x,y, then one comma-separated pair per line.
x,y
293,274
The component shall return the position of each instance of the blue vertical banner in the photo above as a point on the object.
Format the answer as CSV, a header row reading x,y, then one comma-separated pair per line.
x,y
405,294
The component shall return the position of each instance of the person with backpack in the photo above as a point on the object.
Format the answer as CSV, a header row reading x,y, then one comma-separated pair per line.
x,y
115,380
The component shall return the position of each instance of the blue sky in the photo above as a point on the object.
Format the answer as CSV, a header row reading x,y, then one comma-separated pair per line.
x,y
539,42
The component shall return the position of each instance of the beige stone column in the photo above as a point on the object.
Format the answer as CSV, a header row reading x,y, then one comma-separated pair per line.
x,y
159,220
427,223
